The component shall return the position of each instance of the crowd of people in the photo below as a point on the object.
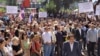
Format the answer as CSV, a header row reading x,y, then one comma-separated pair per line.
x,y
49,36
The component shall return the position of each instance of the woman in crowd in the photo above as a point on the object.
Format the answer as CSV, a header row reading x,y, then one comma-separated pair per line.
x,y
36,46
8,46
25,42
2,49
17,49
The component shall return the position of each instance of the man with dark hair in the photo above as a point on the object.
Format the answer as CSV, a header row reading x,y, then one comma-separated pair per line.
x,y
99,41
59,42
47,42
71,48
91,39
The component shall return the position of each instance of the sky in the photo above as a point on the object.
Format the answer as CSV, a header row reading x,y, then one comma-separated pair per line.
x,y
94,0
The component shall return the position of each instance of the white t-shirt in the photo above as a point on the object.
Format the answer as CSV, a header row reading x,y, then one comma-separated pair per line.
x,y
47,36
8,50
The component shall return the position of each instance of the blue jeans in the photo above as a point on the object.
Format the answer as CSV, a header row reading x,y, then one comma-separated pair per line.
x,y
53,50
47,49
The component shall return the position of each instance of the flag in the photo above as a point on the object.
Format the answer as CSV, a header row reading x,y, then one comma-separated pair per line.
x,y
26,3
30,18
21,14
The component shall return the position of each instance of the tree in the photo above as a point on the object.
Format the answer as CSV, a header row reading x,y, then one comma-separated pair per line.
x,y
51,7
3,2
11,2
58,4
68,2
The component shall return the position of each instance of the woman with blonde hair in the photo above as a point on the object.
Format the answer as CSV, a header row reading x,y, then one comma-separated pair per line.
x,y
16,46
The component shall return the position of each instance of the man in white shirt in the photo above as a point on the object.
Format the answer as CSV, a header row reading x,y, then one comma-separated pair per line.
x,y
99,41
91,39
47,41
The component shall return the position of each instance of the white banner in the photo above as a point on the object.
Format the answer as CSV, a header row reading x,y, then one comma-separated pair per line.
x,y
43,14
98,10
85,7
12,9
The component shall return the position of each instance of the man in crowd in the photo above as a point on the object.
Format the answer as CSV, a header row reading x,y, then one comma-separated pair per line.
x,y
55,37
71,48
59,42
99,41
85,29
79,33
91,39
47,42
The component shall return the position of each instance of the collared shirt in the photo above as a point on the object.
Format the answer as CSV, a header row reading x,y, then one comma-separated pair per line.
x,y
47,36
92,35
71,46
85,31
79,31
84,28
99,33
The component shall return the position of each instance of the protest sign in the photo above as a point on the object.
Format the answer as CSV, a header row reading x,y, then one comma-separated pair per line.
x,y
11,9
98,10
43,14
85,7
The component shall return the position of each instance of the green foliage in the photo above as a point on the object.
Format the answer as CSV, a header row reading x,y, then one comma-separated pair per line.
x,y
3,1
11,2
62,9
42,10
39,1
68,2
66,10
2,9
51,6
